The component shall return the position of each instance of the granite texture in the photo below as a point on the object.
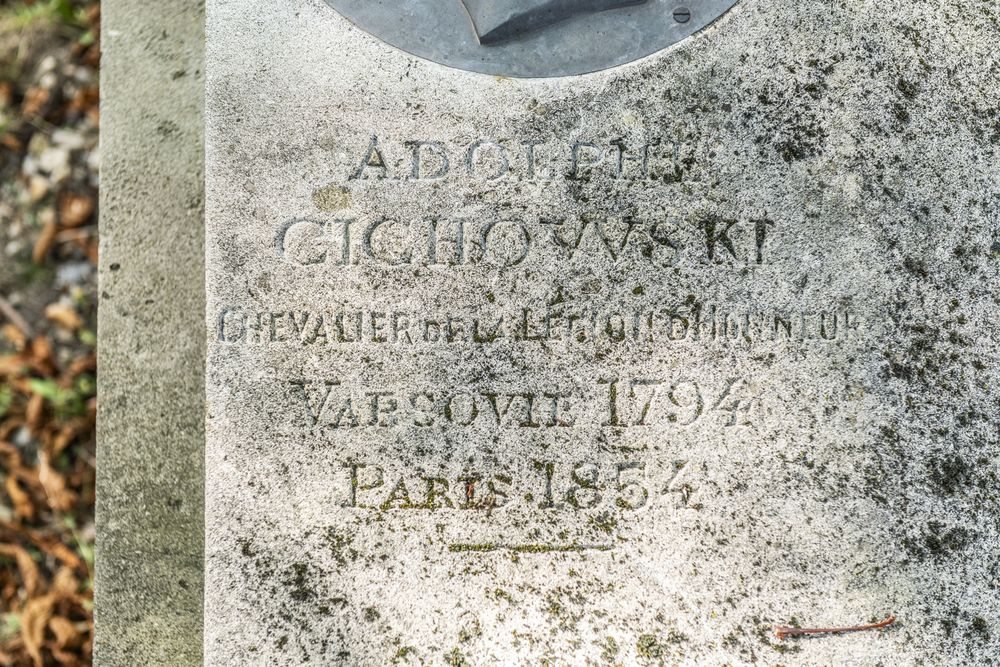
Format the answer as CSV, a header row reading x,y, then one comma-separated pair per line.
x,y
150,472
625,368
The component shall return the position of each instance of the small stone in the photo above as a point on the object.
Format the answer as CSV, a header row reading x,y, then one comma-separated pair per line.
x,y
29,165
83,75
54,160
68,139
38,187
48,81
47,216
22,438
94,160
13,248
64,337
38,144
48,64
73,273
75,209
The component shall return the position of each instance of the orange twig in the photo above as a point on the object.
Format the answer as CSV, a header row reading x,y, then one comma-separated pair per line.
x,y
8,311
784,631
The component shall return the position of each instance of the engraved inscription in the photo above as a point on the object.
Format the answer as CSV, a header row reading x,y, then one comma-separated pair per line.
x,y
333,404
491,159
576,326
509,243
543,485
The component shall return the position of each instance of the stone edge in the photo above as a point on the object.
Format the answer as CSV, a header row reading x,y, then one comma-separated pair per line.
x,y
151,349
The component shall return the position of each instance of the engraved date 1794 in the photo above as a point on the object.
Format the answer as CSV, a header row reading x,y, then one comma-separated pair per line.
x,y
616,402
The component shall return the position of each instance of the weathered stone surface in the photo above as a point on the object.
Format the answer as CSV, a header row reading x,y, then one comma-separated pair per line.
x,y
150,472
621,368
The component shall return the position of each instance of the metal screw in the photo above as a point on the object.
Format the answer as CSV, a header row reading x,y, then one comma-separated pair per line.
x,y
682,14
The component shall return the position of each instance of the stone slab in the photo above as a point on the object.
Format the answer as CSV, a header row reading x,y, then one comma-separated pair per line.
x,y
150,456
624,368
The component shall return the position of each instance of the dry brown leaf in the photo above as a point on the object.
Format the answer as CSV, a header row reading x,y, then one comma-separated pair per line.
x,y
46,238
30,578
91,249
86,98
35,99
14,335
67,434
51,545
38,615
66,584
8,426
35,618
65,658
41,355
12,365
65,632
64,315
22,385
11,142
35,412
58,550
75,209
59,496
23,507
10,456
82,365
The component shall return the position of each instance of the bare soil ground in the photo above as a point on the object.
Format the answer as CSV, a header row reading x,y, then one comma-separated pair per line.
x,y
49,166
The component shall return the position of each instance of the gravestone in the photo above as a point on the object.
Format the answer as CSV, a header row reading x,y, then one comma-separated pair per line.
x,y
689,335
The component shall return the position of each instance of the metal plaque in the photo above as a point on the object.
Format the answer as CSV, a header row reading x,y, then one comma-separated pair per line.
x,y
532,38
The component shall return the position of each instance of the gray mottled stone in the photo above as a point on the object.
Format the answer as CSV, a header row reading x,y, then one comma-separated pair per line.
x,y
765,393
151,348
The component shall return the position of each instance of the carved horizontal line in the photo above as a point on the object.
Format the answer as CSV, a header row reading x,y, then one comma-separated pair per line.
x,y
528,548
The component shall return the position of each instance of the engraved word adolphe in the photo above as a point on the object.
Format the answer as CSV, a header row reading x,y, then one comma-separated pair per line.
x,y
489,159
